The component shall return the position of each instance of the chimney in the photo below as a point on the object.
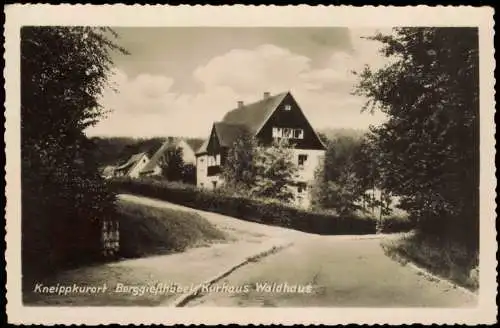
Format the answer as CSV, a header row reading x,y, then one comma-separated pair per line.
x,y
240,104
267,95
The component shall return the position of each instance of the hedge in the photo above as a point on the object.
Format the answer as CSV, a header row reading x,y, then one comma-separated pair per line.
x,y
256,210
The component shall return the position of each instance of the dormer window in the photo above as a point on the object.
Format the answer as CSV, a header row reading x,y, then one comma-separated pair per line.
x,y
288,133
288,107
298,134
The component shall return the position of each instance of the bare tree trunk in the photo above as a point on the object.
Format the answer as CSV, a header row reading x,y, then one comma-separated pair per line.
x,y
380,225
373,200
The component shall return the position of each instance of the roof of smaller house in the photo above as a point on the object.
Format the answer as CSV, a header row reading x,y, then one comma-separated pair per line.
x,y
226,133
155,159
194,143
131,161
203,147
170,142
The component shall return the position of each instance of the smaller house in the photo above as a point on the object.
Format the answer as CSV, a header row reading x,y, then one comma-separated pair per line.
x,y
188,147
108,172
133,166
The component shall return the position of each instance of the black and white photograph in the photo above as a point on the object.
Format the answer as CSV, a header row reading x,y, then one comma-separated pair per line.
x,y
292,167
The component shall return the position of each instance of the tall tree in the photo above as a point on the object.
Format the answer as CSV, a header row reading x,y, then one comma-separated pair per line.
x,y
428,148
238,170
275,171
337,186
63,73
173,164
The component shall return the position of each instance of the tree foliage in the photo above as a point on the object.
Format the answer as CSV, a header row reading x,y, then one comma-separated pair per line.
x,y
275,171
337,184
428,148
173,164
239,171
265,172
63,73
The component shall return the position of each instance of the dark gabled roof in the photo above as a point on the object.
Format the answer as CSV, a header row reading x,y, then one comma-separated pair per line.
x,y
254,115
249,118
228,133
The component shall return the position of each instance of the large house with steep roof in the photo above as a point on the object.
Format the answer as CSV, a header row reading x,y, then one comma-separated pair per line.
x,y
274,116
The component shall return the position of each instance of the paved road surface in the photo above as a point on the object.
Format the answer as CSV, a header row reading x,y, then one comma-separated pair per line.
x,y
342,272
349,271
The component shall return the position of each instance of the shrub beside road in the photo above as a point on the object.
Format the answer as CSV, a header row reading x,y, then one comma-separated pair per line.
x,y
258,210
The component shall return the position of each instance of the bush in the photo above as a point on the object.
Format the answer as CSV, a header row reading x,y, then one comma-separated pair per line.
x,y
256,210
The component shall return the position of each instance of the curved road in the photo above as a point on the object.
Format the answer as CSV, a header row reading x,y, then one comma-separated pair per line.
x,y
340,271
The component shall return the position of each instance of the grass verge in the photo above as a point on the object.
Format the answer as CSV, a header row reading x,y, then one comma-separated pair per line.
x,y
150,231
444,258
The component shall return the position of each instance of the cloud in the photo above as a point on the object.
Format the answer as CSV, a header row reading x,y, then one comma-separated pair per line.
x,y
249,71
144,94
147,106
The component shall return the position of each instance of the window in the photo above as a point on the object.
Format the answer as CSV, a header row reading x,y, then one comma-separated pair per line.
x,y
302,159
301,187
214,160
277,132
298,134
214,183
288,107
288,133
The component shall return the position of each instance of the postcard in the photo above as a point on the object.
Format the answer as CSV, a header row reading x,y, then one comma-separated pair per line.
x,y
250,165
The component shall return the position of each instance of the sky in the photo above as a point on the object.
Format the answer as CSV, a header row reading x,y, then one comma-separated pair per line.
x,y
178,80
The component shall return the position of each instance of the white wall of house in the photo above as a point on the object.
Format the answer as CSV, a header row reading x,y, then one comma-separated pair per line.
x,y
202,178
307,167
156,171
136,170
309,162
